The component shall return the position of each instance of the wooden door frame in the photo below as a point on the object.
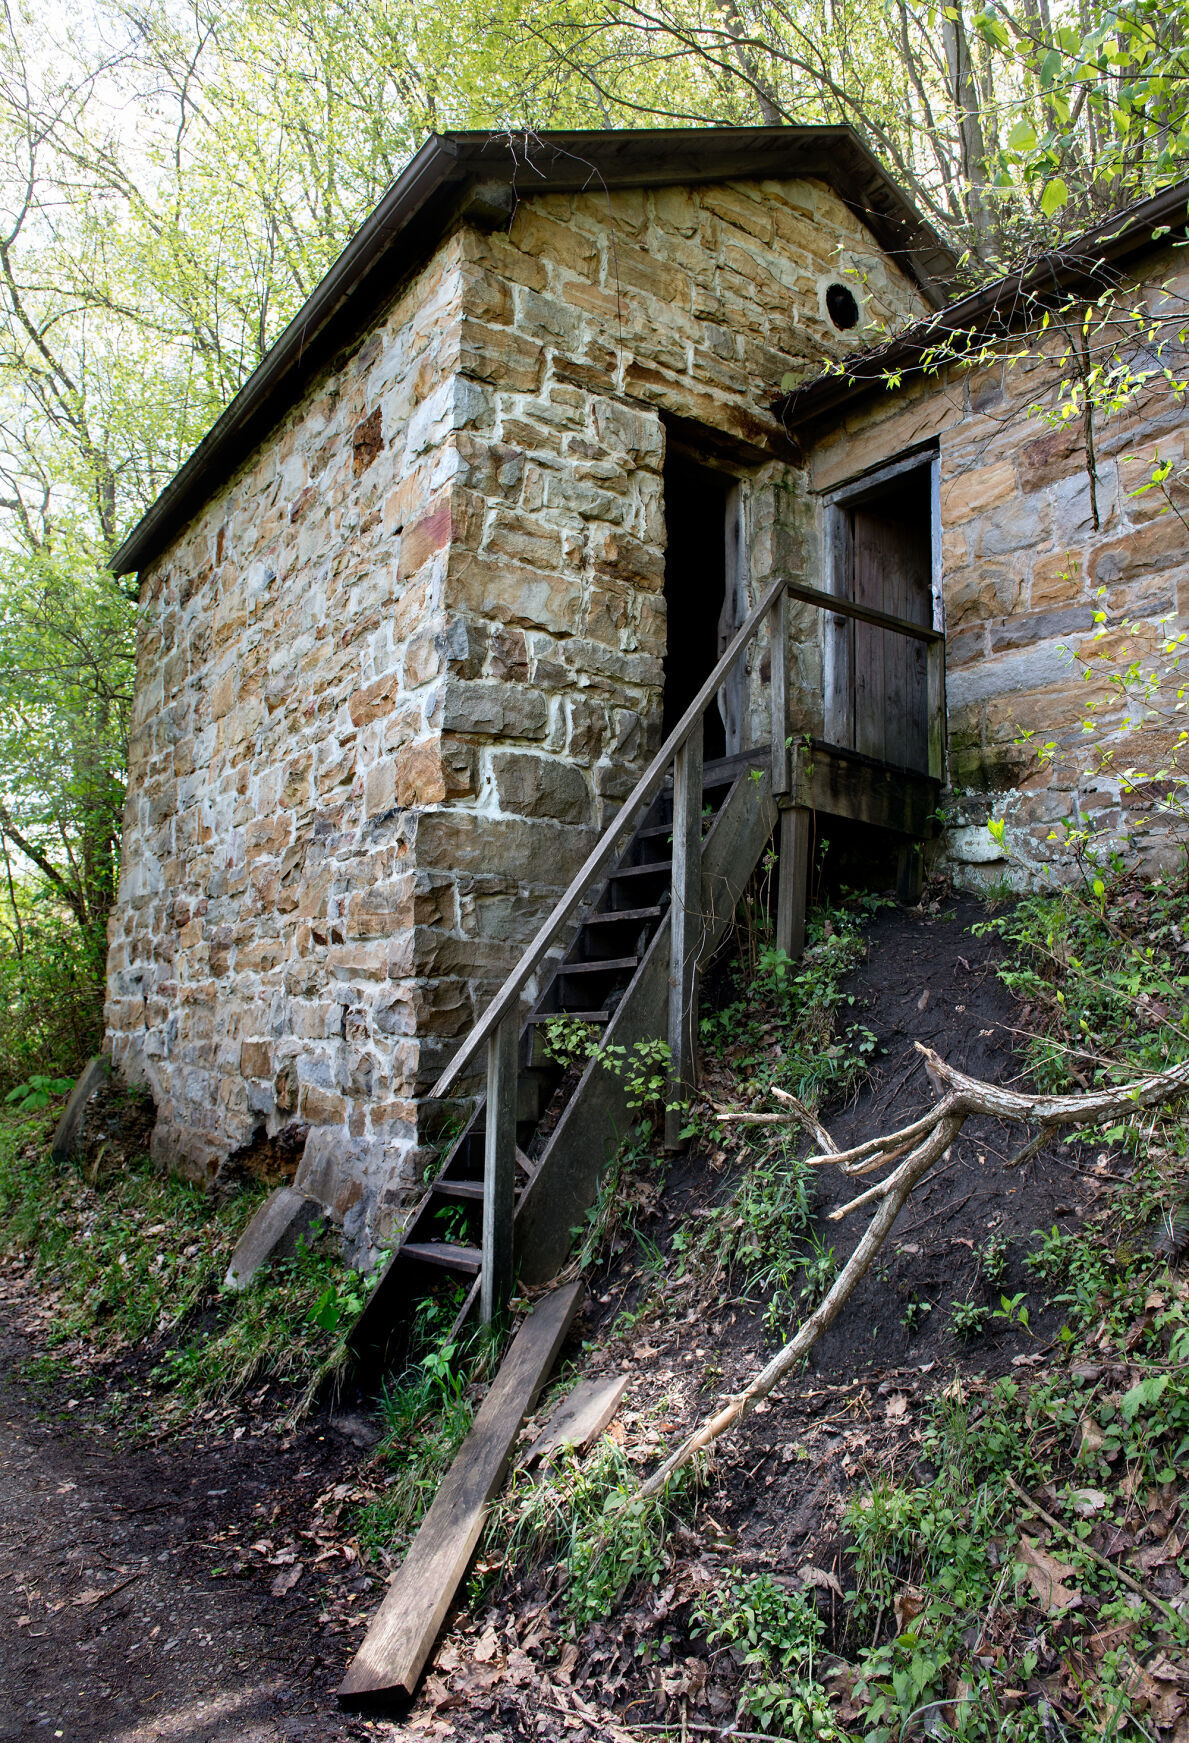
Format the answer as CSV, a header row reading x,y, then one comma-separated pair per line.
x,y
838,693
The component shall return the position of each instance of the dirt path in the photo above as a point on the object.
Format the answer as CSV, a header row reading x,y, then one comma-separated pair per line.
x,y
133,1605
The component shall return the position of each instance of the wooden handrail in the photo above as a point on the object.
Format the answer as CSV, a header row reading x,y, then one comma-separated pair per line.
x,y
840,607
507,998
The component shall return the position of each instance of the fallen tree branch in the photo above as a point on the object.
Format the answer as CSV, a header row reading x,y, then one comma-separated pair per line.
x,y
925,1140
769,1377
1083,1547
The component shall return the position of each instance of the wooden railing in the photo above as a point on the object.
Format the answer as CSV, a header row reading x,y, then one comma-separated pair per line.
x,y
498,1029
934,640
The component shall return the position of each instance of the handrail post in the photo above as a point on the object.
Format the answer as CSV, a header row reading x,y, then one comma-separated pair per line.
x,y
499,1170
792,885
685,923
778,662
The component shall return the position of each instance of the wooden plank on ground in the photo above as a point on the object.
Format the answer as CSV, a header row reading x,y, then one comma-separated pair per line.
x,y
404,1628
69,1127
582,1416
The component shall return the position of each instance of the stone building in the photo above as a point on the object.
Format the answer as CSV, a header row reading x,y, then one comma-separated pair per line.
x,y
403,613
422,603
1051,551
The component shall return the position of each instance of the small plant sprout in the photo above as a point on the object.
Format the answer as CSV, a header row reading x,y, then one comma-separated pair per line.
x,y
915,1315
992,1261
968,1320
1011,1311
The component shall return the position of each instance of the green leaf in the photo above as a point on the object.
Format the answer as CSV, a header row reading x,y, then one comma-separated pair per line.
x,y
1142,1394
1022,136
1050,66
1054,197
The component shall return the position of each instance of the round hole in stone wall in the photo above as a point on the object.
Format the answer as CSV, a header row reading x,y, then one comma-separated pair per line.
x,y
841,307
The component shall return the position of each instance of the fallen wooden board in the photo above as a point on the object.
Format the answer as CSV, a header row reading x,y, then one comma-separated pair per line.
x,y
579,1418
404,1628
69,1127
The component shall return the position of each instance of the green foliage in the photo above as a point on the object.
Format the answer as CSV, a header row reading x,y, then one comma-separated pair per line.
x,y
1012,1311
945,1545
585,1519
139,1258
776,1633
36,1093
51,1001
1104,974
969,1320
992,1261
781,1025
642,1068
427,1412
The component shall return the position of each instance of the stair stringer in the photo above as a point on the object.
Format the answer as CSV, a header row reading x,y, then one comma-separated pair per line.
x,y
597,1117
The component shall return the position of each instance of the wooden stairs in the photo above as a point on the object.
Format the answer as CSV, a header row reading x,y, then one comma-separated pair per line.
x,y
615,977
620,952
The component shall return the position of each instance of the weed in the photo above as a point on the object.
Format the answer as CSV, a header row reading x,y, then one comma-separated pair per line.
x,y
914,1316
780,1027
138,1258
1011,1311
969,1320
36,1092
584,1518
427,1413
776,1634
643,1068
992,1261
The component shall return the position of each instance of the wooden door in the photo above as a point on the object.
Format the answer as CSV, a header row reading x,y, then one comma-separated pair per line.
x,y
890,562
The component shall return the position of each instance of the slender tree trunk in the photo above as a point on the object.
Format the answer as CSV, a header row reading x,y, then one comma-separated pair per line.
x,y
964,96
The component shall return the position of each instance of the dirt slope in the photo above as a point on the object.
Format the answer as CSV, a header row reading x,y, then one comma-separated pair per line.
x,y
137,1603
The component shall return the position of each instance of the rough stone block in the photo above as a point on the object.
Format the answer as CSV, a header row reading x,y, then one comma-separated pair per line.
x,y
489,710
540,786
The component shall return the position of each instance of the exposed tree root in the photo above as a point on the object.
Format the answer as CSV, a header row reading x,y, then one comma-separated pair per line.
x,y
914,1148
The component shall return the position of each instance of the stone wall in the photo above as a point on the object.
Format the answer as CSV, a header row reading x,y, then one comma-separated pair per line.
x,y
593,327
394,674
260,966
1026,570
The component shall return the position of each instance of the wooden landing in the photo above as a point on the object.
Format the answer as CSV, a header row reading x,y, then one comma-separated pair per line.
x,y
844,783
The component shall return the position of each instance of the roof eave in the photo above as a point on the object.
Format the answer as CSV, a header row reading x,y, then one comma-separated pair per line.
x,y
433,190
1079,265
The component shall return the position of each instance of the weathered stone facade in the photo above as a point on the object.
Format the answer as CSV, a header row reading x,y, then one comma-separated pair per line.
x,y
1025,571
393,672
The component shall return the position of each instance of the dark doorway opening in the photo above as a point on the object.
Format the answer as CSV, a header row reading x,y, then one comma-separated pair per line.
x,y
879,681
699,589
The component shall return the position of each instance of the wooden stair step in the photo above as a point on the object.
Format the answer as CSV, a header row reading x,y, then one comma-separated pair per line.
x,y
448,1254
613,916
538,1017
654,868
599,965
471,1190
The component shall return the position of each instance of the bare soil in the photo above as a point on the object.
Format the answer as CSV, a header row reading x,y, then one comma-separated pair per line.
x,y
141,1589
150,1592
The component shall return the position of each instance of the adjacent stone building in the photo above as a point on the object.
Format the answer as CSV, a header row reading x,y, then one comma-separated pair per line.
x,y
1053,552
413,615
